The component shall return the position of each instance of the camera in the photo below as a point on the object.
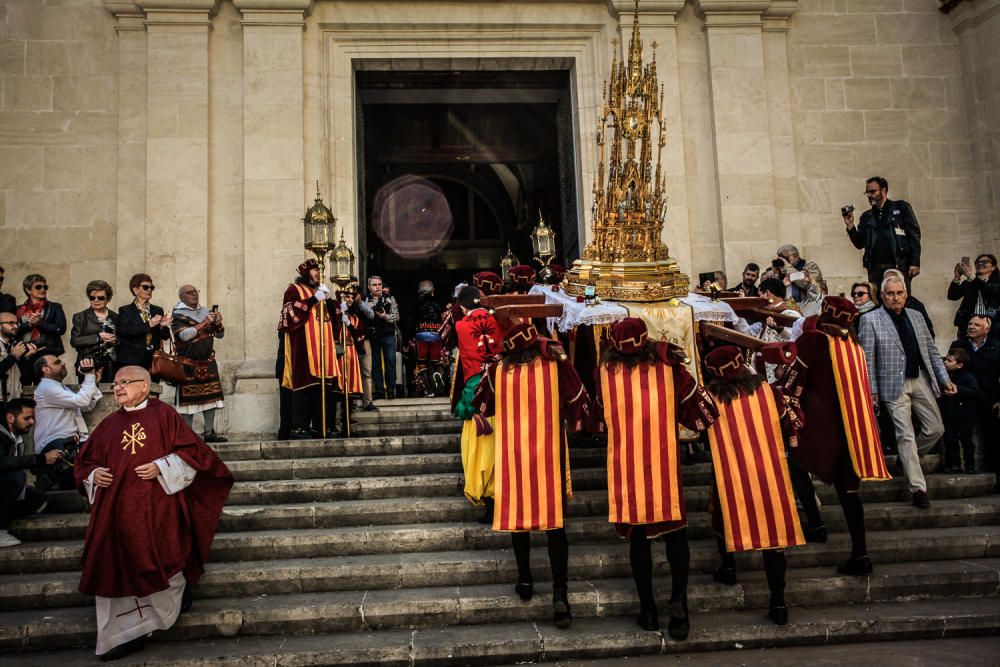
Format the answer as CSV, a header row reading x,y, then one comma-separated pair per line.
x,y
106,350
847,210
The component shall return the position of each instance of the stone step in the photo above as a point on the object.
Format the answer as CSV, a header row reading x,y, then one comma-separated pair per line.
x,y
254,449
530,641
456,605
408,416
587,508
407,428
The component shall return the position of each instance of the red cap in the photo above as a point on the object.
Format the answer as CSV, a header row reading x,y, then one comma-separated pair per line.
x,y
779,353
521,275
839,311
519,337
558,273
488,282
628,336
726,362
306,266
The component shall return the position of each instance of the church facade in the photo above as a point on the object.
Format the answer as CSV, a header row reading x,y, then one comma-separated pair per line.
x,y
185,138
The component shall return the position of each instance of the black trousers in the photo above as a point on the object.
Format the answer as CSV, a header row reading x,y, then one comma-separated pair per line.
x,y
988,426
850,503
558,557
775,567
11,485
641,559
958,443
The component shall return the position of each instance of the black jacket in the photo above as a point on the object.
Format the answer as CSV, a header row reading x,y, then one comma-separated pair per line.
x,y
9,461
985,367
132,334
961,406
8,304
904,233
969,291
51,328
84,336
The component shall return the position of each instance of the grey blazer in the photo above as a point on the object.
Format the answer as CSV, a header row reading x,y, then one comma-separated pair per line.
x,y
886,359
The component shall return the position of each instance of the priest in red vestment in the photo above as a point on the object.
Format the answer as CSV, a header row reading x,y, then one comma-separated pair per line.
x,y
753,507
646,392
156,492
535,395
305,335
839,442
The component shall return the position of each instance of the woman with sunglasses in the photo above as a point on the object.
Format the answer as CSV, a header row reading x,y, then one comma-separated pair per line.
x,y
865,297
93,335
978,287
43,324
142,327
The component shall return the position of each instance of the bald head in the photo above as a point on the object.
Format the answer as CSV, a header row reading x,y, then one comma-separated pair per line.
x,y
188,294
131,386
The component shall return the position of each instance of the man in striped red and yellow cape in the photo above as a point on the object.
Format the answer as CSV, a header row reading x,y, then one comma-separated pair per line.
x,y
753,507
302,329
534,395
839,442
645,391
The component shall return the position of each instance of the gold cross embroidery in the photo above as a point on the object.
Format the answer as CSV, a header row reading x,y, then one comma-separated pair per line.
x,y
137,436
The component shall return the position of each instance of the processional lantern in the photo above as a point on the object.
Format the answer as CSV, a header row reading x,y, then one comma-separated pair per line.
x,y
343,263
543,243
626,258
506,262
319,229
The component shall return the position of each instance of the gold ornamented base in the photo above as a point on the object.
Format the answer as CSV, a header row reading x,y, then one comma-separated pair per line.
x,y
627,281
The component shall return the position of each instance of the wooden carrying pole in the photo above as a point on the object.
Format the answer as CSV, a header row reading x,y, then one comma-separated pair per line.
x,y
322,354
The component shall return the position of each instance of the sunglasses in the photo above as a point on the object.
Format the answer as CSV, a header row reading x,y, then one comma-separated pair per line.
x,y
857,294
41,287
147,287
983,262
9,322
97,298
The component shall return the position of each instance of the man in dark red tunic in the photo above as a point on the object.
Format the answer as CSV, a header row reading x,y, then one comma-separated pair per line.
x,y
156,492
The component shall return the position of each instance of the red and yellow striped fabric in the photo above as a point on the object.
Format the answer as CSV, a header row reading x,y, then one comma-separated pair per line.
x,y
751,475
530,448
312,328
643,471
350,359
854,393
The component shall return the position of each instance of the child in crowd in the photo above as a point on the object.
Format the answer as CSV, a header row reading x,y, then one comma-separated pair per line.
x,y
959,413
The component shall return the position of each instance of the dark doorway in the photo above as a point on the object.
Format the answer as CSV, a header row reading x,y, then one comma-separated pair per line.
x,y
496,144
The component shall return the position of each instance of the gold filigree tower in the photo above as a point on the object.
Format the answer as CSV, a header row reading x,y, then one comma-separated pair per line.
x,y
626,260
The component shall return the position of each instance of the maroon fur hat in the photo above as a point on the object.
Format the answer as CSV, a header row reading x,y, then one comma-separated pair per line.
x,y
306,266
839,311
488,282
519,337
726,362
521,275
628,336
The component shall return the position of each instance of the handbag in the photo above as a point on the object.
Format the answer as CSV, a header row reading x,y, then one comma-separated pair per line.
x,y
174,368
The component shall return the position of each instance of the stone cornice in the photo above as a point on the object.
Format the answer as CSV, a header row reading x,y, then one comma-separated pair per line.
x,y
653,13
732,13
275,5
970,14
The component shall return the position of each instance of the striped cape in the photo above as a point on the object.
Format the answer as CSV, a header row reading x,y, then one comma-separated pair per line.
x,y
312,329
352,363
643,469
531,456
854,394
751,474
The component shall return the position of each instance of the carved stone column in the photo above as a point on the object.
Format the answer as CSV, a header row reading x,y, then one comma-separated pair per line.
x,y
274,192
741,128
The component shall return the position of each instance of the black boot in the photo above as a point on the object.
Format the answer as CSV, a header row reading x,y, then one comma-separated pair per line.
x,y
186,599
122,650
487,516
860,566
678,627
648,619
561,615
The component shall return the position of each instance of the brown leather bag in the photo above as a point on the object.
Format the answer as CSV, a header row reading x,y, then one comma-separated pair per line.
x,y
174,368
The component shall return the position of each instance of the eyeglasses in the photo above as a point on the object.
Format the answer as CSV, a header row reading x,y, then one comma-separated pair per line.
x,y
983,262
149,288
123,383
191,291
857,294
872,192
40,286
9,322
94,297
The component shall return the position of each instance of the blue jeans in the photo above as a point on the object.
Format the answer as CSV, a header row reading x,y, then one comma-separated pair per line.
x,y
384,353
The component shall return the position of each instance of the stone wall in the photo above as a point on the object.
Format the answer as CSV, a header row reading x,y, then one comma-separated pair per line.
x,y
184,137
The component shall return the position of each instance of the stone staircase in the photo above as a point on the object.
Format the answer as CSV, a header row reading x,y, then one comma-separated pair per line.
x,y
364,551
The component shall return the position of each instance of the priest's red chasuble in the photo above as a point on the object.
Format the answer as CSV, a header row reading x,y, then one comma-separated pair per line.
x,y
643,468
532,464
751,474
854,396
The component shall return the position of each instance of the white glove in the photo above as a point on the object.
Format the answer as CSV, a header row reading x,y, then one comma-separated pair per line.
x,y
343,313
322,293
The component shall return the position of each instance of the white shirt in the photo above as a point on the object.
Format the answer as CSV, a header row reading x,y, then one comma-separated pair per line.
x,y
58,410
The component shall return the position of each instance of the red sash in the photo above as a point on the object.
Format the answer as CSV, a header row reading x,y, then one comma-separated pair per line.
x,y
751,475
530,448
854,394
643,471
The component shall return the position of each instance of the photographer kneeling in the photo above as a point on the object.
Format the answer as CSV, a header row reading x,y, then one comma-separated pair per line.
x,y
17,499
94,330
59,419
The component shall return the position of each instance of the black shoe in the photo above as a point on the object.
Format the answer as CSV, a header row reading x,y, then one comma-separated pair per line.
x,y
856,566
524,590
486,517
371,407
778,613
921,500
122,650
561,615
214,437
951,470
186,599
816,535
725,575
301,434
678,627
648,620
971,470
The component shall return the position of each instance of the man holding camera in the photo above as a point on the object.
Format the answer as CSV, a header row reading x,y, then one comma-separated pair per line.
x,y
17,499
803,278
59,414
195,329
11,352
382,337
888,233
